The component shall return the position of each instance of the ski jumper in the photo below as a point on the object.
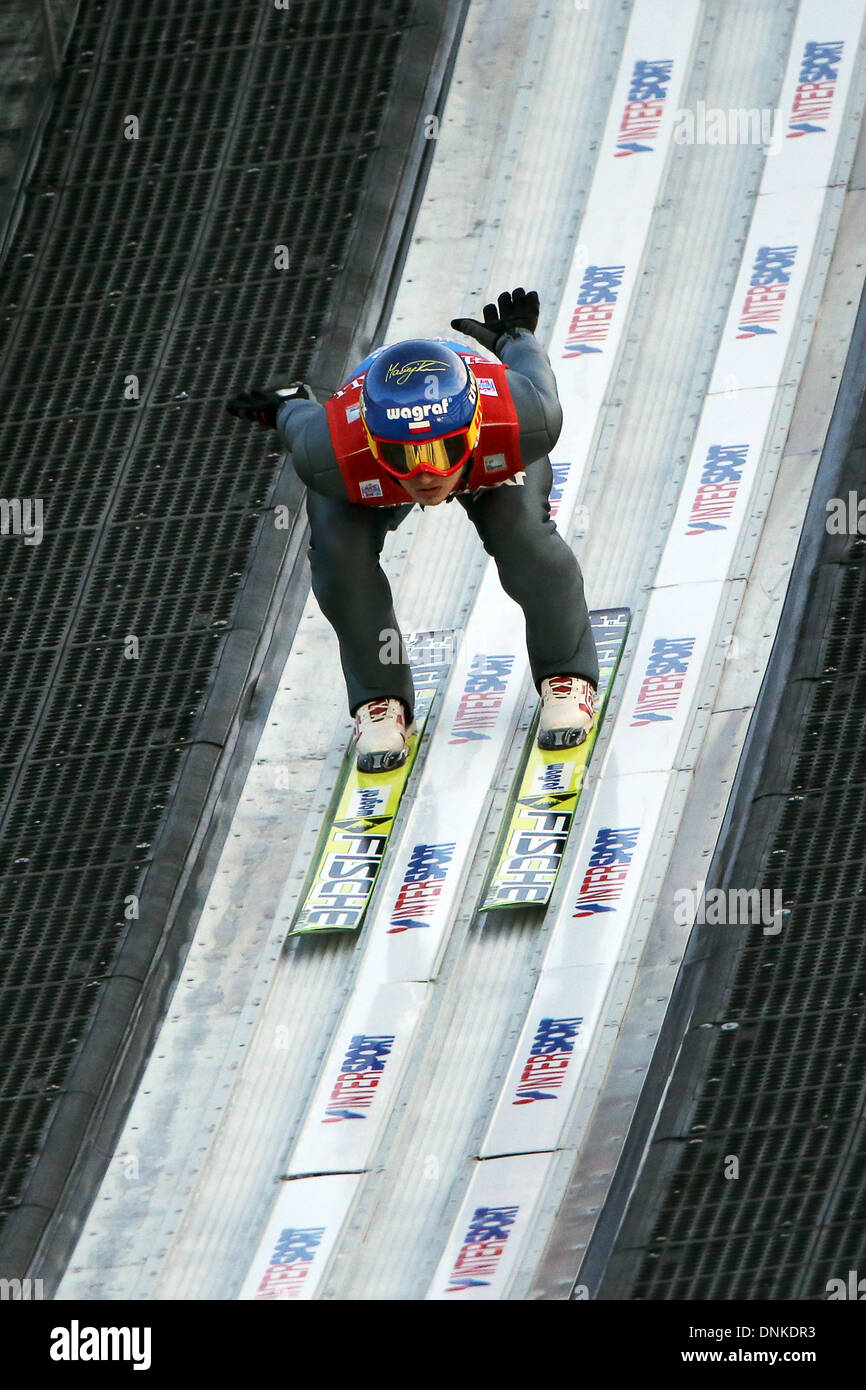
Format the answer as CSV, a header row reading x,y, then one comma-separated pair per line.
x,y
352,504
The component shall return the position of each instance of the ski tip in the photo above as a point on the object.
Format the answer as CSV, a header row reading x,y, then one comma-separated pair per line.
x,y
507,905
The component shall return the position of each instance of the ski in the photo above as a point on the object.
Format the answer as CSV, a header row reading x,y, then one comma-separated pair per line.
x,y
535,832
358,825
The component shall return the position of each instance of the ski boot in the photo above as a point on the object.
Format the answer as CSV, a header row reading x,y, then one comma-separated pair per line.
x,y
381,735
567,711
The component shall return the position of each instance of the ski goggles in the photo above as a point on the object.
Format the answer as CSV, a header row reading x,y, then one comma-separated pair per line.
x,y
442,456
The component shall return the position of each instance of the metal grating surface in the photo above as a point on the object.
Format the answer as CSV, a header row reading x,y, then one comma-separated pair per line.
x,y
152,257
771,1069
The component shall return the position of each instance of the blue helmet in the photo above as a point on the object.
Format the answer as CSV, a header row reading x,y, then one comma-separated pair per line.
x,y
421,408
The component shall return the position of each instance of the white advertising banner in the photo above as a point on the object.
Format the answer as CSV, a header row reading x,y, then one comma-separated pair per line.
x,y
358,1080
484,1245
714,498
767,294
623,197
814,95
602,888
662,684
543,1075
299,1238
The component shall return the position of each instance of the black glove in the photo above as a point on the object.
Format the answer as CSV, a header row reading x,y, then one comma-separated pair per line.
x,y
516,310
262,406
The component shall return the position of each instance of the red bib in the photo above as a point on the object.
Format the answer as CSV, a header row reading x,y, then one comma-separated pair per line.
x,y
496,456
